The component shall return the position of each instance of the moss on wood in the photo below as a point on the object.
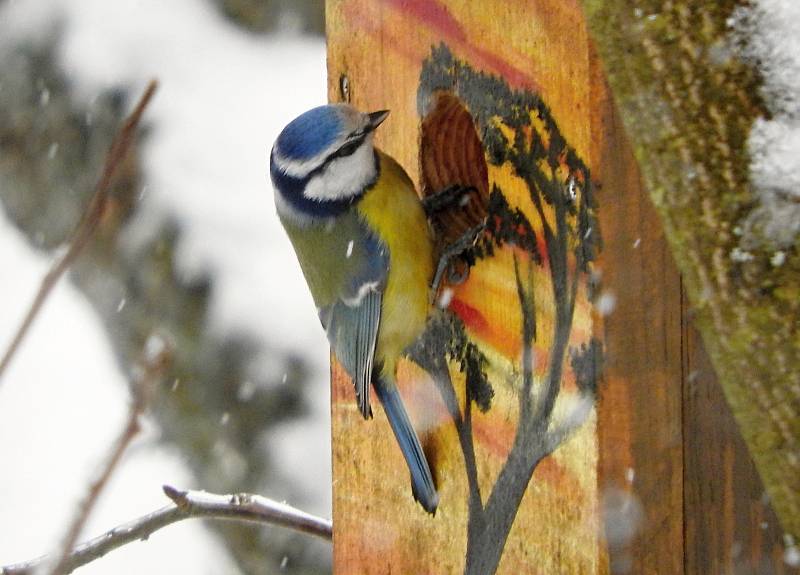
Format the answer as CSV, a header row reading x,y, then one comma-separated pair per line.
x,y
688,105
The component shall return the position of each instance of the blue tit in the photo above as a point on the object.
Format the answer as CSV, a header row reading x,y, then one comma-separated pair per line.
x,y
362,239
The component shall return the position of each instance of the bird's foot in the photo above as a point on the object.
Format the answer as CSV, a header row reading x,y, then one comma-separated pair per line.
x,y
451,263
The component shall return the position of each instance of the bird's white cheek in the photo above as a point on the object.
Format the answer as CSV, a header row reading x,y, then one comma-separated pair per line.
x,y
344,177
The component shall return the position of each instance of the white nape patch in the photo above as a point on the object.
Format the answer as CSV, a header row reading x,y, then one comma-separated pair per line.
x,y
344,177
301,168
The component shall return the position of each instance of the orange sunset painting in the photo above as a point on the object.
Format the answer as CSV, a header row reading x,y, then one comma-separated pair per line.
x,y
502,385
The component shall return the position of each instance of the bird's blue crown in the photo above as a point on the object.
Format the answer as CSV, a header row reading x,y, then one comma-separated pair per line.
x,y
318,165
310,133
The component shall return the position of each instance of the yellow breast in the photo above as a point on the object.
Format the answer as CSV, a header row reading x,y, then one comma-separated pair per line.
x,y
392,208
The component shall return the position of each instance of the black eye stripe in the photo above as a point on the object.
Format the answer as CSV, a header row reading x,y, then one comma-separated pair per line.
x,y
346,149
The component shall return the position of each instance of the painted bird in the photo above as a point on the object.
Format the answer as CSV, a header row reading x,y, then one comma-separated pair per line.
x,y
362,239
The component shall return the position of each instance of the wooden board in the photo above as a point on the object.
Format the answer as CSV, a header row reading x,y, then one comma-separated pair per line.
x,y
527,67
730,524
641,439
402,56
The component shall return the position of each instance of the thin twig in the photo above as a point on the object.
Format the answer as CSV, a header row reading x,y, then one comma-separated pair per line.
x,y
248,507
186,505
155,358
86,227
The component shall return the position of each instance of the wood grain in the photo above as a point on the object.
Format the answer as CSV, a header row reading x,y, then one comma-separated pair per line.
x,y
730,524
689,115
381,47
641,441
651,483
667,435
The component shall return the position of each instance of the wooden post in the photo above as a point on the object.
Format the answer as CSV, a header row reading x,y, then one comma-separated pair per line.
x,y
572,273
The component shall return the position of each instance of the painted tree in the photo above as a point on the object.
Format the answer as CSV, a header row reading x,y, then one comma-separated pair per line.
x,y
559,238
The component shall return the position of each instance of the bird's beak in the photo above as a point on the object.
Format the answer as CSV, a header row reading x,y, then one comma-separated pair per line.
x,y
376,118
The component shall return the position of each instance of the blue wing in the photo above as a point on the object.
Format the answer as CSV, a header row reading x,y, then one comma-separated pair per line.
x,y
353,332
352,321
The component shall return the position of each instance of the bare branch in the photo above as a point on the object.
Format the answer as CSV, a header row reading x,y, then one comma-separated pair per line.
x,y
86,227
248,507
527,305
186,505
155,358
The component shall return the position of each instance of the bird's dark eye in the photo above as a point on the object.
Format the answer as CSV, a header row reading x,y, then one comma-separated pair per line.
x,y
348,149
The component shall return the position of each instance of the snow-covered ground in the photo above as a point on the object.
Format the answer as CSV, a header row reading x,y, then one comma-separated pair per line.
x,y
224,95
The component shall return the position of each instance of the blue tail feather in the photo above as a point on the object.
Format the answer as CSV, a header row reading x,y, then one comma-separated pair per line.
x,y
421,479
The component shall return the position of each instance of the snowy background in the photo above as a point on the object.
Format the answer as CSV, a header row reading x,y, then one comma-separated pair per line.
x,y
224,95
770,33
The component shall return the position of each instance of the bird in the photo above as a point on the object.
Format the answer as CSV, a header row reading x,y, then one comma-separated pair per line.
x,y
364,245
